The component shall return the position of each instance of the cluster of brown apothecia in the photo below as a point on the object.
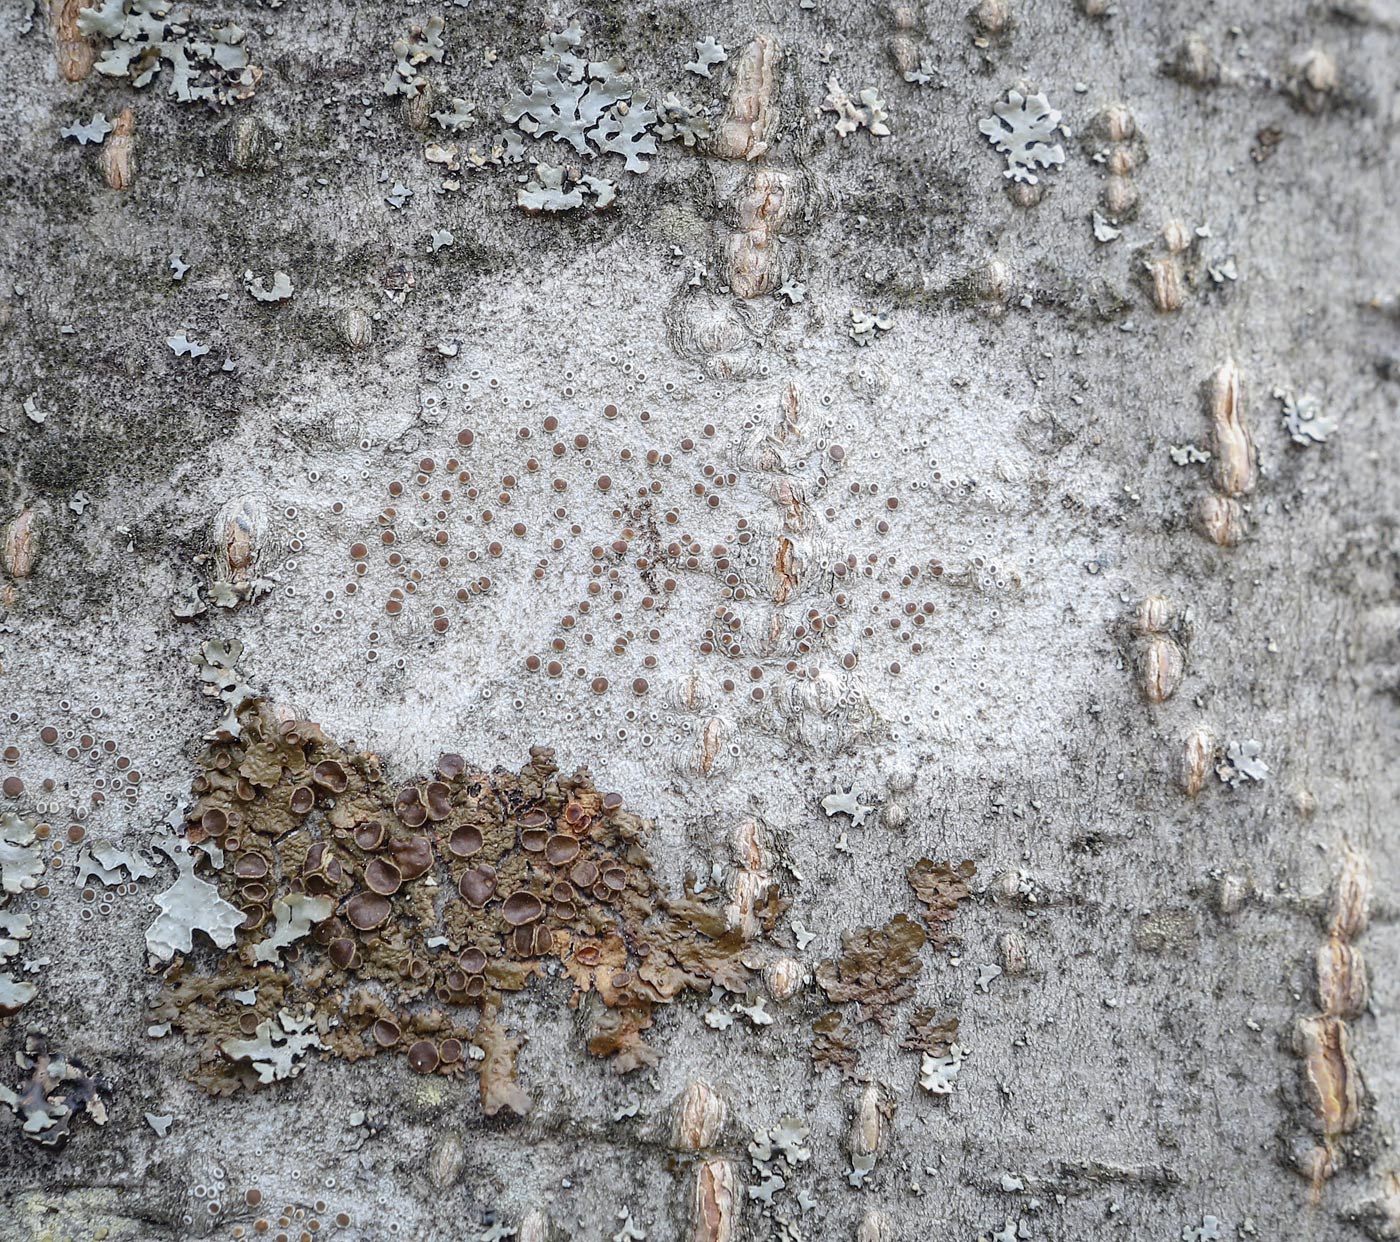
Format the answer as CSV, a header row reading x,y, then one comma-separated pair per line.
x,y
434,899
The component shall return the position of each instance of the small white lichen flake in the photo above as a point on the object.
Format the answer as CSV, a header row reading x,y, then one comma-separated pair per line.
x,y
866,325
708,53
276,1049
1304,418
1024,130
846,802
755,1012
1207,1231
94,130
937,1074
187,906
1242,762
281,289
869,113
21,864
630,1231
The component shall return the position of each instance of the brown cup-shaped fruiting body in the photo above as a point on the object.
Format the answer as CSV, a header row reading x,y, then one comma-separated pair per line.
x,y
328,930
700,1114
344,953
330,776
465,841
715,1202
438,796
410,808
584,874
521,908
250,866
478,885
370,836
413,856
561,849
301,800
386,1032
423,1056
614,879
383,877
366,911
321,872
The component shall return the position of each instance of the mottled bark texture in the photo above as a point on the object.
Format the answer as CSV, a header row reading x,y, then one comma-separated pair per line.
x,y
724,417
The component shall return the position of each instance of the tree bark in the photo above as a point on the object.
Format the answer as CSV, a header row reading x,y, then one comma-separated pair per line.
x,y
842,476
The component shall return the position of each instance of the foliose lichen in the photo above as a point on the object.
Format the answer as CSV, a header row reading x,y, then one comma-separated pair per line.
x,y
402,915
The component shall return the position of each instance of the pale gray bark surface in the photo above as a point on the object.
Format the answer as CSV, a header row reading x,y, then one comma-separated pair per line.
x,y
1138,1075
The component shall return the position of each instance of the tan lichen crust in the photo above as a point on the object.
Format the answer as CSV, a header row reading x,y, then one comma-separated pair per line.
x,y
421,905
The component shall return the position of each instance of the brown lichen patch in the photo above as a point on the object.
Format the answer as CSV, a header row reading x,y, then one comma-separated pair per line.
x,y
877,968
940,886
834,1044
928,1035
446,893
